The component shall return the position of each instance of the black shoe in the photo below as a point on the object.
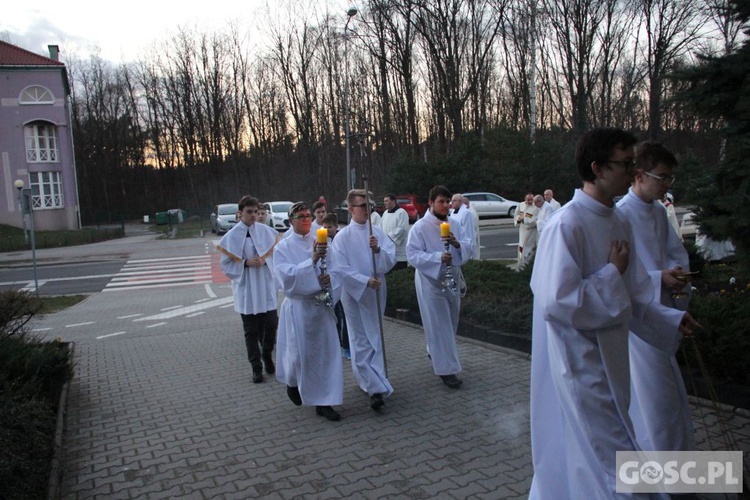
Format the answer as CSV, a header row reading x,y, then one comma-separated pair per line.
x,y
376,401
270,367
257,377
327,412
451,381
293,394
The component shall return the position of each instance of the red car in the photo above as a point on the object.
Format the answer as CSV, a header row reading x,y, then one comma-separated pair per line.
x,y
415,206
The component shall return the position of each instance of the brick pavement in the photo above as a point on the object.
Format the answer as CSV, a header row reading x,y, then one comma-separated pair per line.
x,y
165,408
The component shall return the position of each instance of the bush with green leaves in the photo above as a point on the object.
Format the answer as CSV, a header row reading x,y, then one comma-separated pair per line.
x,y
498,297
32,374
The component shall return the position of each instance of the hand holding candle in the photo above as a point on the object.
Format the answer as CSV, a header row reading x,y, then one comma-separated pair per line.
x,y
445,230
322,236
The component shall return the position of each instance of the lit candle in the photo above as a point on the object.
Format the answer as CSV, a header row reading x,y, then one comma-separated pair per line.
x,y
323,236
445,229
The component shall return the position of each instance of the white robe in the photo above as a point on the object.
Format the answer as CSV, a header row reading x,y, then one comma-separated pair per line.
x,y
475,221
526,217
353,256
580,381
659,406
253,288
545,211
396,226
554,204
464,217
672,217
375,218
308,355
439,308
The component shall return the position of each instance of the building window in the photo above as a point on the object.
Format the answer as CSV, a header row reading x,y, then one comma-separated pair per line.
x,y
46,190
36,94
41,143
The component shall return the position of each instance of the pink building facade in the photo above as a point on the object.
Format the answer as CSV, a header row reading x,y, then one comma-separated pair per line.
x,y
36,139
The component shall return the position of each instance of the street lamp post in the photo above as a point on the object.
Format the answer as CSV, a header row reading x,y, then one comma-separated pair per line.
x,y
347,129
19,185
24,195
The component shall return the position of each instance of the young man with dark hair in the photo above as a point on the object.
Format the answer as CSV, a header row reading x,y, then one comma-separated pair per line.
x,y
247,249
308,359
319,211
438,304
395,223
590,289
358,248
659,406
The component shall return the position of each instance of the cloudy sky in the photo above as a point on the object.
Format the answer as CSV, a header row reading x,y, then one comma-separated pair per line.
x,y
120,32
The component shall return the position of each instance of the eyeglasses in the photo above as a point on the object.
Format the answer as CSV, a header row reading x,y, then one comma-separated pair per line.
x,y
361,205
629,165
301,217
667,180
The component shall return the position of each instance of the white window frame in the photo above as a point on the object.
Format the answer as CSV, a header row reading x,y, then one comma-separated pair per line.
x,y
46,190
41,143
36,94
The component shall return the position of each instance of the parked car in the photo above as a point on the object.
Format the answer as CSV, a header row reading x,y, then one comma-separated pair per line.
x,y
278,214
419,204
410,209
491,205
223,218
688,226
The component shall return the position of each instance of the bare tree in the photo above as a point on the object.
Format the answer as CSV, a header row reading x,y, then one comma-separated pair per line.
x,y
576,25
671,28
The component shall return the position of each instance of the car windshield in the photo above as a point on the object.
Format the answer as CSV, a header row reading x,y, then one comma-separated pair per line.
x,y
227,209
403,201
281,207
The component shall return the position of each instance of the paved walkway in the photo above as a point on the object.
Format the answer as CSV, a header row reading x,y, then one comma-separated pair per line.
x,y
162,406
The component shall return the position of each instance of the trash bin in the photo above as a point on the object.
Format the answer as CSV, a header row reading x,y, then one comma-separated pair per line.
x,y
162,218
177,215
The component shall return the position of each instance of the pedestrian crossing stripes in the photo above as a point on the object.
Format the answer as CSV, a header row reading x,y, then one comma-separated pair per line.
x,y
139,274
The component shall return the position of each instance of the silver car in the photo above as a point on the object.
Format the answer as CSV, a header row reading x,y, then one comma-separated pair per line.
x,y
491,205
224,217
278,214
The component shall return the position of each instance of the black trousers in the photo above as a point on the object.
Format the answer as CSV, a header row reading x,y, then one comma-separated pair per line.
x,y
260,336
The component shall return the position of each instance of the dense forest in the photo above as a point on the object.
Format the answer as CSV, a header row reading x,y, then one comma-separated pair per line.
x,y
475,94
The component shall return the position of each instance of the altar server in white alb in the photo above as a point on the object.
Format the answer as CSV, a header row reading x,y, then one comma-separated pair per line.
x,y
308,358
590,289
439,305
362,292
526,217
246,259
395,224
658,406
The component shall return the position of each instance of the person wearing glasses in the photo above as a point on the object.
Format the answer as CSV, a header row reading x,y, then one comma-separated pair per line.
x,y
308,359
590,289
246,250
363,254
659,406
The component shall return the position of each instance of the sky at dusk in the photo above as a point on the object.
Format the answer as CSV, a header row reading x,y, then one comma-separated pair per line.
x,y
123,31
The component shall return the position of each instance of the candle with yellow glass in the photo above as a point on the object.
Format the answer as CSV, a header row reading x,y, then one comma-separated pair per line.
x,y
445,229
323,236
